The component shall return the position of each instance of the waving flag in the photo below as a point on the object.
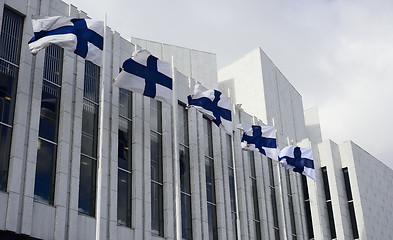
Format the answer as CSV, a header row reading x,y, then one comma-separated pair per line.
x,y
298,159
82,36
260,138
143,73
214,105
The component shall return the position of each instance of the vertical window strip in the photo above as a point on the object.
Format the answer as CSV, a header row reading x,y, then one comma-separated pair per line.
x,y
88,165
232,189
185,183
351,207
210,182
157,208
307,208
44,188
273,200
328,202
10,45
254,188
124,191
290,203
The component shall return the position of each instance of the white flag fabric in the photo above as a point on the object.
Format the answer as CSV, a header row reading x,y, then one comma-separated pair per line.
x,y
82,36
298,159
143,73
259,138
214,105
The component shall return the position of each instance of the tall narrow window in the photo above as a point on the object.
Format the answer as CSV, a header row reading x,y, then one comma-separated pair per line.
x,y
351,207
44,188
124,158
232,189
88,166
185,184
290,203
210,183
253,177
307,207
328,202
10,44
157,205
273,198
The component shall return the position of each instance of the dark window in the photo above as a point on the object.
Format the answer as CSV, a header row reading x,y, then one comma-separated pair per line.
x,y
328,202
290,203
185,183
44,188
210,183
257,219
88,166
274,202
124,190
157,207
307,208
10,44
351,207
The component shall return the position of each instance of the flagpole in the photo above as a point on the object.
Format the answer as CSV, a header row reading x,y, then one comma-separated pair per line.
x,y
175,155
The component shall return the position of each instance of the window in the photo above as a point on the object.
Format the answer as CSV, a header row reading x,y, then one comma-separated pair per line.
x,y
290,203
88,165
185,184
157,208
328,202
10,44
307,208
232,189
273,200
124,158
210,183
44,188
254,192
351,207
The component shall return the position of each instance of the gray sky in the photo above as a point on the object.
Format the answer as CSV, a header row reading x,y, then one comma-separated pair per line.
x,y
337,53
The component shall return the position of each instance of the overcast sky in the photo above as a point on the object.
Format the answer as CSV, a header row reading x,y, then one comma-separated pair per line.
x,y
337,53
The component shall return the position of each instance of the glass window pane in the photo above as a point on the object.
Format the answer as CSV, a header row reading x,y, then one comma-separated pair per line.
x,y
354,225
11,36
124,199
274,207
232,190
155,115
258,233
8,80
212,220
252,163
157,210
210,191
53,64
89,129
45,172
207,127
50,103
234,225
125,103
186,220
255,199
331,219
87,186
229,150
182,125
91,82
5,144
124,144
156,157
184,159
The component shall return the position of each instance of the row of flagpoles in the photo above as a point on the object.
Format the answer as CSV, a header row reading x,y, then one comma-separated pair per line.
x,y
146,74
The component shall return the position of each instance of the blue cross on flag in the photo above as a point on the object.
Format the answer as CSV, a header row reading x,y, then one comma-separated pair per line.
x,y
259,138
143,73
214,105
298,159
82,36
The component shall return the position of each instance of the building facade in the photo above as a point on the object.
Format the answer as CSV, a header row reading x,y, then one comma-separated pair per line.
x,y
81,159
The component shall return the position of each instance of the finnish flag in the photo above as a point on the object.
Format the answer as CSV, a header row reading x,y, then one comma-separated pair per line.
x,y
143,73
82,36
298,159
214,105
259,138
